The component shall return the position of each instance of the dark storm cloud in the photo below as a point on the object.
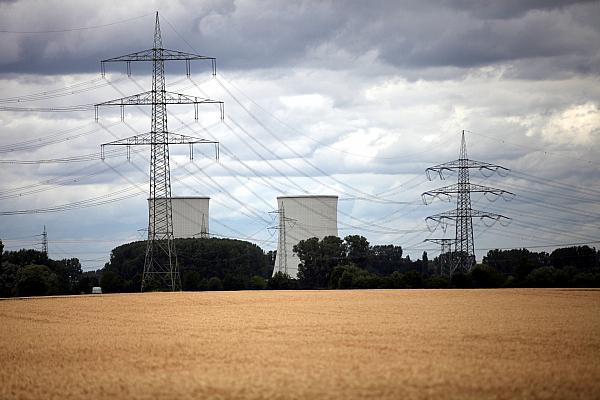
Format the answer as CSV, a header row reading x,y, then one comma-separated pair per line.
x,y
509,8
559,37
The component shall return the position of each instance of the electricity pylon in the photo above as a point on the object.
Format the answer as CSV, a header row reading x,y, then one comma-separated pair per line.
x,y
45,242
445,257
463,257
160,264
282,238
203,229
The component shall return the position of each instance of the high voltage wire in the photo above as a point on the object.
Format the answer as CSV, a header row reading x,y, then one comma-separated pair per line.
x,y
289,148
372,198
387,230
319,182
545,151
320,143
193,189
48,140
53,94
74,29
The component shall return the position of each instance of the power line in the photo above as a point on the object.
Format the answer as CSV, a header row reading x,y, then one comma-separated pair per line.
x,y
82,28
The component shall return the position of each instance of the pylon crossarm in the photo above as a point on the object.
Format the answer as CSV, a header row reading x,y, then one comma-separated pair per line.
x,y
446,192
145,98
165,55
147,139
443,241
466,163
159,54
453,215
428,197
150,140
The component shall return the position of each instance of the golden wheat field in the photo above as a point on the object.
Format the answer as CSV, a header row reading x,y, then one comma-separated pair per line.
x,y
380,344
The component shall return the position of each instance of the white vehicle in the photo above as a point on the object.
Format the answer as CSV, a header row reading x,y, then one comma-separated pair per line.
x,y
96,290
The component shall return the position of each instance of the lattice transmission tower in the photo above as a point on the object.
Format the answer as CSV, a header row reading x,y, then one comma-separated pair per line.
x,y
160,264
45,242
445,257
463,257
282,237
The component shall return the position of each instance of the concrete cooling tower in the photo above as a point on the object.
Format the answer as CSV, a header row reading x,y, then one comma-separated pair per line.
x,y
190,216
300,218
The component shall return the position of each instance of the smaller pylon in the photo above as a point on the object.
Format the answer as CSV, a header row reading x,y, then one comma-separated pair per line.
x,y
203,230
463,257
281,227
45,242
445,256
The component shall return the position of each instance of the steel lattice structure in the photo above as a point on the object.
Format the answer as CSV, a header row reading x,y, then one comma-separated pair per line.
x,y
160,264
445,257
45,241
282,237
463,257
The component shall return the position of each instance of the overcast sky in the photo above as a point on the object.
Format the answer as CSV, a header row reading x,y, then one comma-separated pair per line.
x,y
351,98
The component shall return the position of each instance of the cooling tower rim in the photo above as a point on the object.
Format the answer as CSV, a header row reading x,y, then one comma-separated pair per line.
x,y
309,196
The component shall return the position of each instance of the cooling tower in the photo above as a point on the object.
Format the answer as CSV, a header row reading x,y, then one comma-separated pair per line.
x,y
190,216
300,218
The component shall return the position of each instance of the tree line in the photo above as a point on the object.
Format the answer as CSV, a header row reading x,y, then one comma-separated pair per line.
x,y
328,263
353,263
29,272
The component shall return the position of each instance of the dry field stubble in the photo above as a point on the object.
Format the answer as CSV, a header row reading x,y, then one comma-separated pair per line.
x,y
392,344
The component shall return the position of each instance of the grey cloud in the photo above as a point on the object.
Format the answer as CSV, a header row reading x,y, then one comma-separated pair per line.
x,y
436,37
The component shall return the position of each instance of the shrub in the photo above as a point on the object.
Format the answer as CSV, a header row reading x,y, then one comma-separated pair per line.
x,y
214,283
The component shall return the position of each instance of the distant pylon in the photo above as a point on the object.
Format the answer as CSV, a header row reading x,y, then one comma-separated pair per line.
x,y
45,242
203,230
160,264
464,253
282,238
445,257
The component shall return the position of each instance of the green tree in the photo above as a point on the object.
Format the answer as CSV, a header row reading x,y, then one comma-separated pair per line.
x,y
581,257
68,272
425,263
586,280
550,277
346,281
8,278
385,259
215,283
413,280
461,281
36,280
192,281
257,283
357,250
281,281
111,282
437,282
86,283
317,259
24,257
395,280
350,276
234,262
484,276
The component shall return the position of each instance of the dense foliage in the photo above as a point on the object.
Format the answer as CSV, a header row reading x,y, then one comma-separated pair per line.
x,y
28,272
205,264
351,263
